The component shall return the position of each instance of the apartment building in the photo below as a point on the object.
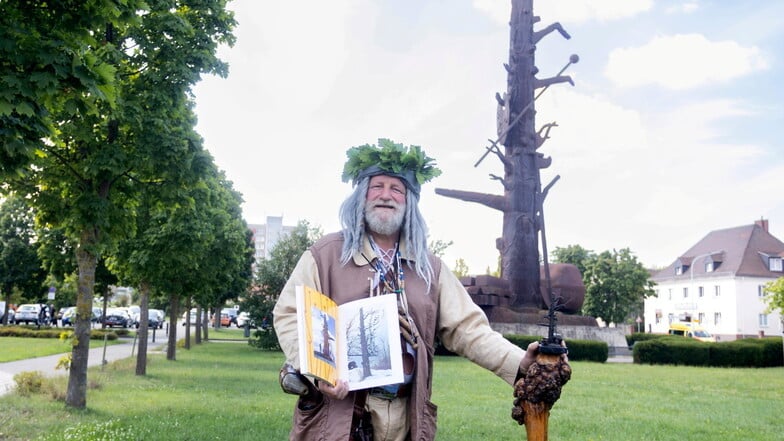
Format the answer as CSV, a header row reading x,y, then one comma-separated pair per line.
x,y
719,282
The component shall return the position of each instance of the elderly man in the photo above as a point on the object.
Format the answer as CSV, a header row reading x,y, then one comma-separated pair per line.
x,y
384,232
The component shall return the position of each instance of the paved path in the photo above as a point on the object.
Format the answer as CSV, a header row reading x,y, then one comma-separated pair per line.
x,y
46,365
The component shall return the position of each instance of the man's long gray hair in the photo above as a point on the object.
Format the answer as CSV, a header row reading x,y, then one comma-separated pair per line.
x,y
414,230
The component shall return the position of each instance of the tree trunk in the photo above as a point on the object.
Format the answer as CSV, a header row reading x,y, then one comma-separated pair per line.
x,y
76,394
199,323
144,326
171,346
187,344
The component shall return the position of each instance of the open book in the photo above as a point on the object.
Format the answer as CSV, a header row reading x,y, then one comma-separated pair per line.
x,y
357,341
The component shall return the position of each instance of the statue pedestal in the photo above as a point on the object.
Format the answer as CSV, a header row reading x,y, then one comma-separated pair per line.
x,y
493,295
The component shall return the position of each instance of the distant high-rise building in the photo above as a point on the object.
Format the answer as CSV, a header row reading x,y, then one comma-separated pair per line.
x,y
266,236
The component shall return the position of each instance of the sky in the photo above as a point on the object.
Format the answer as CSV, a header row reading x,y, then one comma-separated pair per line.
x,y
670,131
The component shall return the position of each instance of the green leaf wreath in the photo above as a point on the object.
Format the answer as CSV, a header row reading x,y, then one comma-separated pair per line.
x,y
390,156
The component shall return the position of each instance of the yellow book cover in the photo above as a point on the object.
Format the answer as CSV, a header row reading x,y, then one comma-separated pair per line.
x,y
358,341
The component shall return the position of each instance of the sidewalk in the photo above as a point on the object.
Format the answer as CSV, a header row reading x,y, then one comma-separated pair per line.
x,y
46,365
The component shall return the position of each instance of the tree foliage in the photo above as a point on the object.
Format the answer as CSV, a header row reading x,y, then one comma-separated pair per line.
x,y
575,255
438,247
461,268
95,102
271,277
774,295
20,267
616,284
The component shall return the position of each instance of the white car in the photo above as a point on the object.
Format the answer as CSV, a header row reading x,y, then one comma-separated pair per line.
x,y
27,313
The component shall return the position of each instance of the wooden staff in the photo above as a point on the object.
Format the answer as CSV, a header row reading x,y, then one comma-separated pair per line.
x,y
536,393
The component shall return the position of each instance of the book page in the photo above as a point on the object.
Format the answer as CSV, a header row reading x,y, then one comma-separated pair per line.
x,y
369,335
317,322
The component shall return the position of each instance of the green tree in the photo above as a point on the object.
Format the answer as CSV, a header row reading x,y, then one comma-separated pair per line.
x,y
774,295
20,267
575,255
52,60
133,126
615,284
438,247
461,268
271,276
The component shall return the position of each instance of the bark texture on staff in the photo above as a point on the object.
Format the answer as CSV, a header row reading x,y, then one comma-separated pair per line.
x,y
536,393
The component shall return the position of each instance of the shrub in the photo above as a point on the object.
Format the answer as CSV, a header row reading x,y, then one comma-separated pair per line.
x,y
265,339
677,350
28,383
631,339
579,350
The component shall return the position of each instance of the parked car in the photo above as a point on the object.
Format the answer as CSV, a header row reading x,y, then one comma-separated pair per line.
x,y
27,313
242,318
11,314
232,316
97,313
116,317
161,316
225,320
153,320
691,330
193,317
68,316
134,312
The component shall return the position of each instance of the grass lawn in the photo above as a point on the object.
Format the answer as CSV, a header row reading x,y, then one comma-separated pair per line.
x,y
220,391
19,348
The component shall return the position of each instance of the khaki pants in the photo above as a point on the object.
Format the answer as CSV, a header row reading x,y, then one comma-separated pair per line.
x,y
390,418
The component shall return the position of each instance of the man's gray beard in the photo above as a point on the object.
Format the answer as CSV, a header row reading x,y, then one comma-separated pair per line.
x,y
385,225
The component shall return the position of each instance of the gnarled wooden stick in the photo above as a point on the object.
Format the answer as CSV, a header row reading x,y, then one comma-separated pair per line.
x,y
536,393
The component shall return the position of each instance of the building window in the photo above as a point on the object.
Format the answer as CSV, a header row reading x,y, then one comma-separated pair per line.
x,y
760,290
716,318
685,292
763,320
716,290
701,317
669,294
775,264
701,291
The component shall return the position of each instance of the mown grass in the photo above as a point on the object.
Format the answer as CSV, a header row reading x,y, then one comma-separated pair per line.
x,y
219,391
20,348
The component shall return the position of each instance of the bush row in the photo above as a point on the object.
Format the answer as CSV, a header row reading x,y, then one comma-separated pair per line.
x,y
24,331
631,339
749,352
579,350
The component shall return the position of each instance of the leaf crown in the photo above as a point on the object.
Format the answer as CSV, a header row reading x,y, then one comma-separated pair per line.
x,y
408,163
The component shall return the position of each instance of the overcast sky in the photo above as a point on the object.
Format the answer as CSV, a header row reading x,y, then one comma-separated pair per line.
x,y
672,129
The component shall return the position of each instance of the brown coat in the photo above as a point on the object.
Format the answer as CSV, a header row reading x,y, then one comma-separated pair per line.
x,y
447,311
331,420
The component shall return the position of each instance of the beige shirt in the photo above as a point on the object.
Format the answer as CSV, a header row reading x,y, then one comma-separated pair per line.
x,y
461,324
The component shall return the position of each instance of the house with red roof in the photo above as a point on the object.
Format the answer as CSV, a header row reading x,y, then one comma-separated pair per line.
x,y
719,283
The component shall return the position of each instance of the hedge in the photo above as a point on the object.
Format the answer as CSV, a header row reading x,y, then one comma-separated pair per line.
x,y
749,352
579,350
31,332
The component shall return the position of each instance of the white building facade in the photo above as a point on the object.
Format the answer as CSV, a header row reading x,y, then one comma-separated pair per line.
x,y
719,282
266,236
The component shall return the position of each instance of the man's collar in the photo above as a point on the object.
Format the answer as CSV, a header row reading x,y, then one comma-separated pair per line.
x,y
367,251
